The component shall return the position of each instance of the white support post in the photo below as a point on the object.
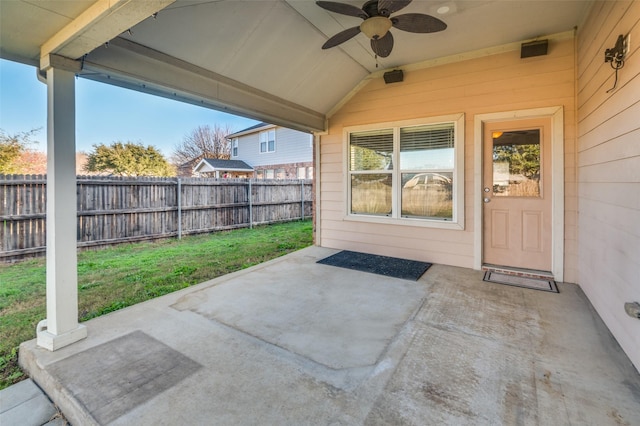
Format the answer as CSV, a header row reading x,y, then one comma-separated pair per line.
x,y
61,327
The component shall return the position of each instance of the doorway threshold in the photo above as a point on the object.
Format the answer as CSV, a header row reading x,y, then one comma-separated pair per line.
x,y
518,272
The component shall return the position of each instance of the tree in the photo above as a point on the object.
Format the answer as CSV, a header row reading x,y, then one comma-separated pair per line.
x,y
203,142
31,162
523,159
128,159
12,147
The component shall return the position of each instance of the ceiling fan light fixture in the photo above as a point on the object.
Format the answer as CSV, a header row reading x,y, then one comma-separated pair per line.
x,y
446,8
376,27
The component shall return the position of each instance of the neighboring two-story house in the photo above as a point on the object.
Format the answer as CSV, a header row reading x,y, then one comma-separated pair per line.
x,y
274,152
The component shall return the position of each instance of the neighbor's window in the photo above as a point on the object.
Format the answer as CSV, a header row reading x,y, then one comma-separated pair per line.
x,y
268,174
406,171
234,147
259,174
268,141
280,174
302,172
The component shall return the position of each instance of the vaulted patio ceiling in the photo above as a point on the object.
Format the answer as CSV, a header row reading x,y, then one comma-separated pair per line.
x,y
261,59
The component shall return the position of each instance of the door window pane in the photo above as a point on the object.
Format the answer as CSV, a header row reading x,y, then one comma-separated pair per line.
x,y
516,163
371,193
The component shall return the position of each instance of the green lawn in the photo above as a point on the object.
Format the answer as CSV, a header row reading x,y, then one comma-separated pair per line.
x,y
114,278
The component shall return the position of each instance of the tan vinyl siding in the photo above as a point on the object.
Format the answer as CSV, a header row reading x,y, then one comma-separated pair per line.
x,y
609,170
496,83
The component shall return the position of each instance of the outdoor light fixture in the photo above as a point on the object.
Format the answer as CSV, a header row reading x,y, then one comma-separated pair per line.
x,y
615,57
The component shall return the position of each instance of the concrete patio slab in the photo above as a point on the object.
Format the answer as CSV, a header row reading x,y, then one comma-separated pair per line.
x,y
291,342
24,404
313,320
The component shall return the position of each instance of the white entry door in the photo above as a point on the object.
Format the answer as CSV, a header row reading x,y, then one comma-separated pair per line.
x,y
517,194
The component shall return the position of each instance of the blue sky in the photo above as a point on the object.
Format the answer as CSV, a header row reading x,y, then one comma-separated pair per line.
x,y
104,113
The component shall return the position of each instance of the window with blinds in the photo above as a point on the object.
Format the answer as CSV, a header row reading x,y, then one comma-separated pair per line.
x,y
404,172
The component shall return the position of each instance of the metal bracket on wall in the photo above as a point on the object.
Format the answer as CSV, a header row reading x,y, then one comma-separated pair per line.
x,y
616,55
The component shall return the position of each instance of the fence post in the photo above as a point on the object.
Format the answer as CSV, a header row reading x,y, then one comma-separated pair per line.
x,y
250,206
301,199
179,208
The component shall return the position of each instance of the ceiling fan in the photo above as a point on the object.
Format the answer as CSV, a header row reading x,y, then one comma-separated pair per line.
x,y
377,22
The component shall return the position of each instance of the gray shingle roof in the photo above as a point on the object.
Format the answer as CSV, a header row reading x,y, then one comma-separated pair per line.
x,y
237,165
248,129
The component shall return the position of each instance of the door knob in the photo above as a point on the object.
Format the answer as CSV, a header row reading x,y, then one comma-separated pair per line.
x,y
487,200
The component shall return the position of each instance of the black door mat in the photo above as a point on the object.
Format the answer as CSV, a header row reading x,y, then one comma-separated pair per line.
x,y
525,282
375,264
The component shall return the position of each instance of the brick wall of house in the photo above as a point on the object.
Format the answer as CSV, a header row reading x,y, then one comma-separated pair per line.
x,y
289,170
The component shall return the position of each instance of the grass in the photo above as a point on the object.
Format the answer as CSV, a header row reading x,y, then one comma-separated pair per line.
x,y
124,275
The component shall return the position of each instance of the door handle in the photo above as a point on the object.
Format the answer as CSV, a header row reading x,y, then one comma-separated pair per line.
x,y
487,200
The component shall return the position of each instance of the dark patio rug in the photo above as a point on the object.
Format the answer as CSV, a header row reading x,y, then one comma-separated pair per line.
x,y
375,264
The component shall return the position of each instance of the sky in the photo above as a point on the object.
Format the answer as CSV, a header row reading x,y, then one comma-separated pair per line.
x,y
104,113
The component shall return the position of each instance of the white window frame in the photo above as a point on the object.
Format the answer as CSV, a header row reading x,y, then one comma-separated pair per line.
x,y
303,171
457,221
265,134
234,147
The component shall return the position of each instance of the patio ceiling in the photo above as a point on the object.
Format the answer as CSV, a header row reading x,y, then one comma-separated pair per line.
x,y
260,59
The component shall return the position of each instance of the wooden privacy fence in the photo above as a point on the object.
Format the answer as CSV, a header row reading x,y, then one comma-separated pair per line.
x,y
113,210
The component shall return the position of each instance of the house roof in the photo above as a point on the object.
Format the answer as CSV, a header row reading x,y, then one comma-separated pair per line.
x,y
253,129
215,164
259,59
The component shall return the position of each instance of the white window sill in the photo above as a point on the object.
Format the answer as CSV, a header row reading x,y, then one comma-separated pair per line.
x,y
405,221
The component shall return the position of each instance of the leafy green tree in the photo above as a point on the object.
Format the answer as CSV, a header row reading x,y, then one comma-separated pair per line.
x,y
523,159
128,159
12,147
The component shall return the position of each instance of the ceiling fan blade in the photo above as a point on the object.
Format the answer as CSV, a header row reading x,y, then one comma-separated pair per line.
x,y
382,46
342,8
341,37
418,23
387,7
